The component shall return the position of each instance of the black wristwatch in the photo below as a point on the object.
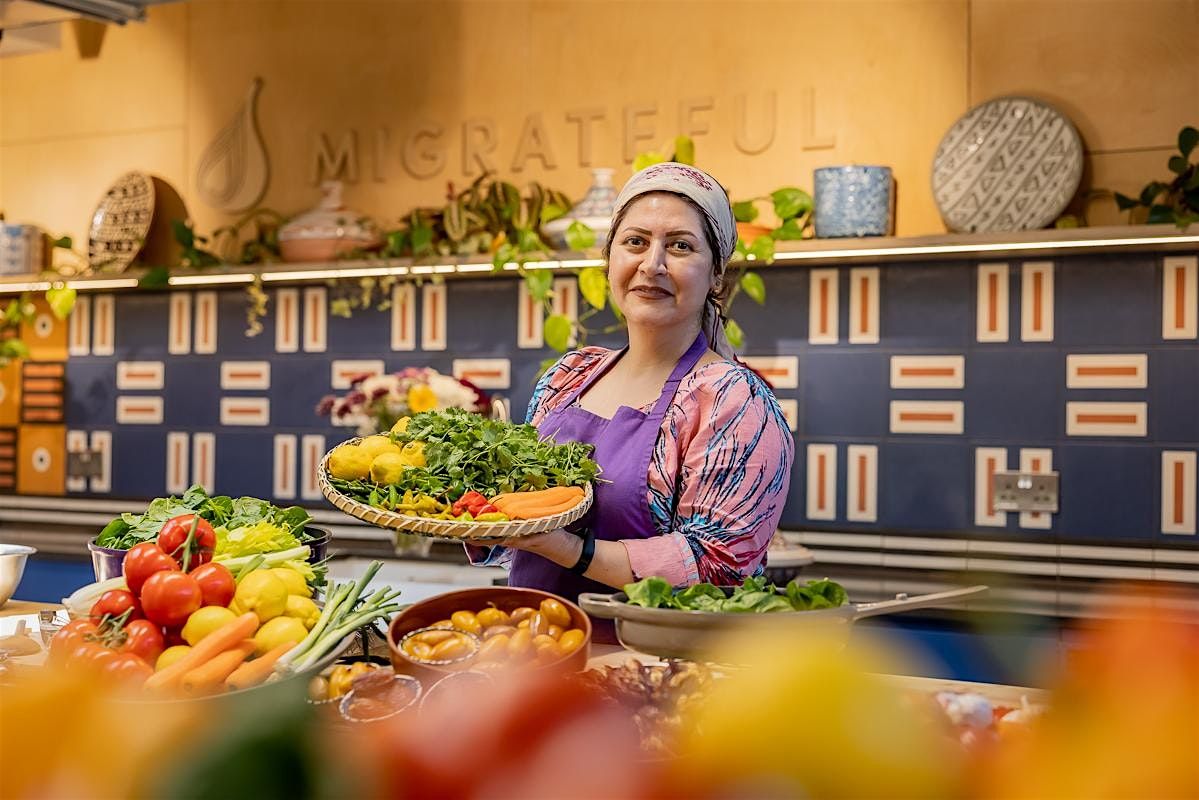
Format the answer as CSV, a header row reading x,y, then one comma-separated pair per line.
x,y
586,555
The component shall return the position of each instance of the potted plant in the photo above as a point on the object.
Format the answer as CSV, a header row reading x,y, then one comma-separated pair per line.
x,y
1175,201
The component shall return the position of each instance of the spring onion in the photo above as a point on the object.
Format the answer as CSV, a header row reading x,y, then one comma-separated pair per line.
x,y
344,612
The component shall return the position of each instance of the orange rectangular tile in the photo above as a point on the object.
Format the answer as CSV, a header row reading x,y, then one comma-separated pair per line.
x,y
45,334
41,459
10,393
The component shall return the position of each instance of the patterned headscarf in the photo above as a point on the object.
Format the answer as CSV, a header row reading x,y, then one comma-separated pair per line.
x,y
710,196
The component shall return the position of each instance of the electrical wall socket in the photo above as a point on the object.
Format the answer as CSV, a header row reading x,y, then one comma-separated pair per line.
x,y
1025,491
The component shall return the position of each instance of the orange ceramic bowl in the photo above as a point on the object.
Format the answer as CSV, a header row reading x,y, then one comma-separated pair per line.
x,y
435,609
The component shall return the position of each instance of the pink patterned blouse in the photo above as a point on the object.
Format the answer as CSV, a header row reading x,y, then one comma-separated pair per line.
x,y
718,478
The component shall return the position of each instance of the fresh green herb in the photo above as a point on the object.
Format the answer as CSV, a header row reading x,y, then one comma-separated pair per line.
x,y
224,512
754,595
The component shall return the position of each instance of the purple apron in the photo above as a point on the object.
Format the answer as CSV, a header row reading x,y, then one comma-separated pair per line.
x,y
624,446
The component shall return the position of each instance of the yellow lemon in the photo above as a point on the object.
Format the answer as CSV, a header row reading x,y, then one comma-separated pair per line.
x,y
170,656
401,425
378,444
421,398
349,462
387,469
413,454
262,593
204,621
293,580
303,609
280,630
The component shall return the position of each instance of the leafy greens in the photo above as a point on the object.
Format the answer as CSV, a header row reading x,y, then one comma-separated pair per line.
x,y
754,595
221,512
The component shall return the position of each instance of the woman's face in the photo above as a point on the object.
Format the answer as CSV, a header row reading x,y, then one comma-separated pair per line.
x,y
660,265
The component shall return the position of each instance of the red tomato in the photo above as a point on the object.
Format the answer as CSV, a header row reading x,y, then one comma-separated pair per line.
x,y
173,537
216,583
144,560
114,603
169,597
144,640
91,656
127,668
172,637
71,636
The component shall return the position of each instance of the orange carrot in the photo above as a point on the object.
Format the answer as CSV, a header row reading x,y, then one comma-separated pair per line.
x,y
535,512
255,672
223,638
210,676
557,497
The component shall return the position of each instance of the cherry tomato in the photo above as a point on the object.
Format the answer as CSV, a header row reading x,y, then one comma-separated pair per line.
x,y
216,583
128,669
71,636
169,597
144,640
173,536
114,603
144,560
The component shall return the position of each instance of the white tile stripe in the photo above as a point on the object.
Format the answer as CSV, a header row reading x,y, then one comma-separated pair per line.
x,y
1180,297
76,443
285,466
529,319
204,461
176,467
102,443
863,305
240,411
928,372
992,307
565,299
79,333
1178,492
823,321
822,482
927,416
1118,371
988,461
103,325
342,372
1036,461
314,335
313,446
287,320
433,316
140,375
403,317
246,375
1036,301
139,410
1106,419
179,322
790,408
486,373
861,467
205,338
781,371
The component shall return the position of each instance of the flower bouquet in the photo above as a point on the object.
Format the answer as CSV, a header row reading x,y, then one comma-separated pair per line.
x,y
375,402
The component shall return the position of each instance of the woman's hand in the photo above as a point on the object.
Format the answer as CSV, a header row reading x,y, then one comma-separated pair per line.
x,y
559,546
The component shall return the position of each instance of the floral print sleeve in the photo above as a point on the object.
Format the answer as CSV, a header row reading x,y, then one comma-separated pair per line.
x,y
718,480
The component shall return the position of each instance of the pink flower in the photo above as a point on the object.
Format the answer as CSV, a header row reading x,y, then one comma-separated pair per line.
x,y
325,405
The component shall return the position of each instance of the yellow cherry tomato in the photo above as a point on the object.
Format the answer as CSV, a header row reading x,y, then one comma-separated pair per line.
x,y
491,616
555,612
570,641
520,646
494,649
466,621
522,613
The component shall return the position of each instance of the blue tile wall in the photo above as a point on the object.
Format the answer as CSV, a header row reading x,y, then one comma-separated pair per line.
x,y
1015,393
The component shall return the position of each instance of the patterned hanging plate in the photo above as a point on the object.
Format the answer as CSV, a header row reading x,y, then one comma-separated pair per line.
x,y
1010,164
121,222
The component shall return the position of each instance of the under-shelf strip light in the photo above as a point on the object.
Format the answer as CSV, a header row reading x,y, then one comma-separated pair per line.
x,y
210,280
994,247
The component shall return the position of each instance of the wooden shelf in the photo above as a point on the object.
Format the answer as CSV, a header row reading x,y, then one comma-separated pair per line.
x,y
877,250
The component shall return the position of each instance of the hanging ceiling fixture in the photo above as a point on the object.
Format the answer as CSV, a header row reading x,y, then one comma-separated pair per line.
x,y
26,13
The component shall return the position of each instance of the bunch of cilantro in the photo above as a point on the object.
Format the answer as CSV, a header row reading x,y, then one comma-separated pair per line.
x,y
465,451
755,595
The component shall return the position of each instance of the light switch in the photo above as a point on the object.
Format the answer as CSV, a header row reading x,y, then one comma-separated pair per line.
x,y
1025,491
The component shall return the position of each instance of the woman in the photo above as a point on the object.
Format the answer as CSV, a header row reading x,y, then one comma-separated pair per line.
x,y
695,452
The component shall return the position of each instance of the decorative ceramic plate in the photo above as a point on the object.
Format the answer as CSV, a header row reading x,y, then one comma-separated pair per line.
x,y
1010,164
121,222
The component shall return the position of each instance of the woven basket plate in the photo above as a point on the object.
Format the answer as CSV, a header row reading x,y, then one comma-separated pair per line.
x,y
445,528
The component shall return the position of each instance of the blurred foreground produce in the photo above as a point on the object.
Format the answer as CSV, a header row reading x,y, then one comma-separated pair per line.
x,y
804,720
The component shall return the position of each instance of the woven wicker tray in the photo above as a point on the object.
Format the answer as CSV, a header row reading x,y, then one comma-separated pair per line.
x,y
445,528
